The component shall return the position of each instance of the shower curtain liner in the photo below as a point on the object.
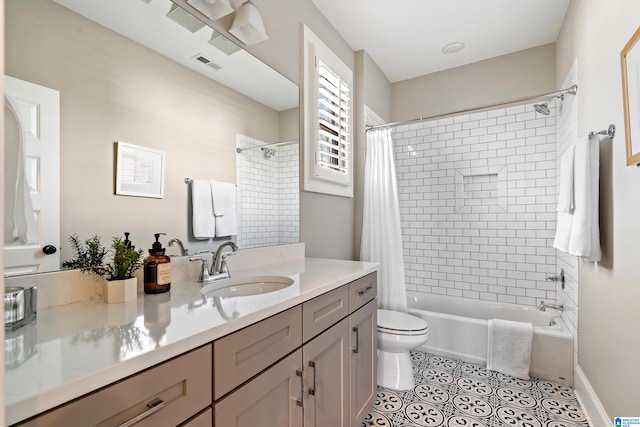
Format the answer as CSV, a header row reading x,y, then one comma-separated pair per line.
x,y
381,231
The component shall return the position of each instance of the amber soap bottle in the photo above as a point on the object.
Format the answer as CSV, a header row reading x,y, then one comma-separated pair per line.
x,y
157,269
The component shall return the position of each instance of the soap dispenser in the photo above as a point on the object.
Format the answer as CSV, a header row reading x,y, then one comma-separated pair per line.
x,y
157,269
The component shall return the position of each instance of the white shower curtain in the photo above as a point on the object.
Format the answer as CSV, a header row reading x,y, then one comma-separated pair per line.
x,y
381,232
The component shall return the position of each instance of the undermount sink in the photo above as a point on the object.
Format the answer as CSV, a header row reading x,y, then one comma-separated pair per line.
x,y
246,286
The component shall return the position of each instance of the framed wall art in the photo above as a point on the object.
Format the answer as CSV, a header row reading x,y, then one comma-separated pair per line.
x,y
630,59
139,171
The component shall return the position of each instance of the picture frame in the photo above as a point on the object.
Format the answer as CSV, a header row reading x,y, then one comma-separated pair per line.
x,y
139,171
630,63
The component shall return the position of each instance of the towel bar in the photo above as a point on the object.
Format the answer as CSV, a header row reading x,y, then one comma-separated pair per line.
x,y
610,132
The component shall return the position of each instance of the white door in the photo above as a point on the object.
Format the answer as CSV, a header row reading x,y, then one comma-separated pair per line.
x,y
32,178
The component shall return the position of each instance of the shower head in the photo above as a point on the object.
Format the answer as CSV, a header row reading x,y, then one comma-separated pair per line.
x,y
268,152
542,108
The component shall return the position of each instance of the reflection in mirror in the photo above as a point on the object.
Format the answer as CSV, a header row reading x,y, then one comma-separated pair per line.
x,y
126,72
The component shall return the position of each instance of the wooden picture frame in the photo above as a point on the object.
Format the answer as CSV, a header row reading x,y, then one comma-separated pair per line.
x,y
139,171
630,62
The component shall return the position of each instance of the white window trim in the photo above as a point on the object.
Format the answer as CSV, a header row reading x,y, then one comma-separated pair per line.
x,y
313,48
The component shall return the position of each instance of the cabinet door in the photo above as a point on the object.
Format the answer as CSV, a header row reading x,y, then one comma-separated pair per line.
x,y
363,383
272,399
326,365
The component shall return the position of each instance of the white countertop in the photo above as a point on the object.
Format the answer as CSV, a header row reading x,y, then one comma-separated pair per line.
x,y
74,349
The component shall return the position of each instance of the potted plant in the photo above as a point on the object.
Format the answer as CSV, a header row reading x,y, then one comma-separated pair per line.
x,y
119,273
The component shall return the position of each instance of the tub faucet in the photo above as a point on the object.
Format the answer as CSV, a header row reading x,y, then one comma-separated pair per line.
x,y
219,268
544,305
183,251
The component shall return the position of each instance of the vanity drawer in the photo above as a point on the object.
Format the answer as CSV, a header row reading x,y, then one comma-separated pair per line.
x,y
168,394
362,290
321,312
241,355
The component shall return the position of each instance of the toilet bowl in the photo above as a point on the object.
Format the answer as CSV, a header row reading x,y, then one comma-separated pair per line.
x,y
398,333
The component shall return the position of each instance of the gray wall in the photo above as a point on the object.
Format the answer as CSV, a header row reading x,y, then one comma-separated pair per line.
x,y
595,32
517,75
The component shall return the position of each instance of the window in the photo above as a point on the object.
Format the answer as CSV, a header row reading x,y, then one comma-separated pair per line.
x,y
327,120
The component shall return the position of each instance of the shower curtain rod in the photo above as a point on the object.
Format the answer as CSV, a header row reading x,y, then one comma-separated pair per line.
x,y
559,93
273,144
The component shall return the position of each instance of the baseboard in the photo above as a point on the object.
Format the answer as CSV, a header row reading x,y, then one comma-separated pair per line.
x,y
589,402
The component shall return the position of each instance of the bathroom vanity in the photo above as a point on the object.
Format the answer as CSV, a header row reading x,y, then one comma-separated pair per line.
x,y
304,355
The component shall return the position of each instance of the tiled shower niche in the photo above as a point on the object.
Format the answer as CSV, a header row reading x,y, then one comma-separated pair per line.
x,y
477,203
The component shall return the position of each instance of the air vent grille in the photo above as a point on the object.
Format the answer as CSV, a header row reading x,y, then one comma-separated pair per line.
x,y
206,61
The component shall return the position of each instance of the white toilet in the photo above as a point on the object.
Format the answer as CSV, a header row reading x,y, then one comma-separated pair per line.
x,y
398,333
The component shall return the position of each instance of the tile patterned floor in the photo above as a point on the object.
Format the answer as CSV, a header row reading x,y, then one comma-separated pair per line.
x,y
453,393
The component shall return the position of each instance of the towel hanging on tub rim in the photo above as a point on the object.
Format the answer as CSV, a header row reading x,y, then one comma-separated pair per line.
x,y
509,346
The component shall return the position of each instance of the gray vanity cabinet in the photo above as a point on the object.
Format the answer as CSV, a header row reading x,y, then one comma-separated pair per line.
x,y
328,381
312,365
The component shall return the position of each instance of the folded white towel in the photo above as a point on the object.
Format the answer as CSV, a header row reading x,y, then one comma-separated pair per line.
x,y
565,196
224,208
203,221
509,347
584,240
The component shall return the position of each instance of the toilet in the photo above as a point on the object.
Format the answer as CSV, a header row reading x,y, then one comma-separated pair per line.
x,y
398,333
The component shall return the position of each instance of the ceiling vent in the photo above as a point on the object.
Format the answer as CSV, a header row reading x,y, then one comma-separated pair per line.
x,y
206,61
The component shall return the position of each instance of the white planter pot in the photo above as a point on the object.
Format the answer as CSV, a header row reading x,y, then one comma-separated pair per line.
x,y
117,291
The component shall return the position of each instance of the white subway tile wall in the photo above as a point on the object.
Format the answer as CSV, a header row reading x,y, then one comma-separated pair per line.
x,y
267,196
477,203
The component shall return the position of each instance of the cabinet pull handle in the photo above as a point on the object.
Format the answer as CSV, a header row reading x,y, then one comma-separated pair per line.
x,y
364,290
299,401
312,390
154,406
357,347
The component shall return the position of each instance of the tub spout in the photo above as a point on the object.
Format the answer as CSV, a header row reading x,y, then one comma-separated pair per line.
x,y
544,305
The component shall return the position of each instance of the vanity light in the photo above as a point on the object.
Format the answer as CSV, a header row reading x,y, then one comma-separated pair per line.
x,y
223,44
184,18
247,25
212,9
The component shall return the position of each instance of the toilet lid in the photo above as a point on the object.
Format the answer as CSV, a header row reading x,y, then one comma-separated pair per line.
x,y
395,322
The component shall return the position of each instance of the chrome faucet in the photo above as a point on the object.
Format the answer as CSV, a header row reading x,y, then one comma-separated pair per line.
x,y
219,268
183,251
544,305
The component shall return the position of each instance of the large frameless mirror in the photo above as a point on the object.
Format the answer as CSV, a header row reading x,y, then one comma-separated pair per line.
x,y
86,74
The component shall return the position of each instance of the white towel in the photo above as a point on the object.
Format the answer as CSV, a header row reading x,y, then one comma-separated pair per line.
x,y
203,221
19,220
509,347
224,208
584,240
565,196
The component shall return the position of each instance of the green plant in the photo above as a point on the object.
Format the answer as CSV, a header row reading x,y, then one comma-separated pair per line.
x,y
126,260
89,257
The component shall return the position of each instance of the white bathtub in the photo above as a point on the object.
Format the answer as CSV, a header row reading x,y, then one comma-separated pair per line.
x,y
458,328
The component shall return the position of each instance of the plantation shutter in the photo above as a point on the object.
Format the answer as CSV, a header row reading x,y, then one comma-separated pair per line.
x,y
333,149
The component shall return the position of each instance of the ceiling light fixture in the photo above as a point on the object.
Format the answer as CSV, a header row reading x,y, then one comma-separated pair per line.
x,y
223,44
451,48
247,25
184,18
212,9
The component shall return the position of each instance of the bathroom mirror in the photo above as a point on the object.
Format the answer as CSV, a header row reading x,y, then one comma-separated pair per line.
x,y
126,71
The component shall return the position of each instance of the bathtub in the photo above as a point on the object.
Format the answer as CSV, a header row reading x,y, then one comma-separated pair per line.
x,y
458,328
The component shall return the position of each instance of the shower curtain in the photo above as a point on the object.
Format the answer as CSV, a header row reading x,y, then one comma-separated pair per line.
x,y
381,232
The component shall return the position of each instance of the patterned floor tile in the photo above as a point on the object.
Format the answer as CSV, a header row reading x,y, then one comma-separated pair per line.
x,y
453,393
